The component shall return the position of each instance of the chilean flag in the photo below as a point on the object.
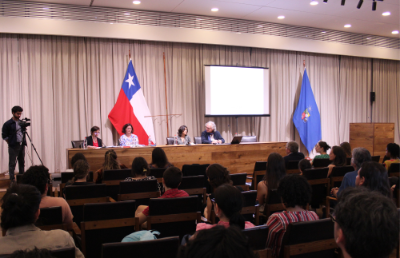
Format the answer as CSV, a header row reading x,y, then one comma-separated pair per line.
x,y
131,107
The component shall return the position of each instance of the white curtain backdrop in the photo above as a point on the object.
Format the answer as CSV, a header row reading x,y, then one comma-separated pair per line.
x,y
67,84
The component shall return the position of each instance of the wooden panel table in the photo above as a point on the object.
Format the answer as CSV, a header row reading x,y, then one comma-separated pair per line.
x,y
238,158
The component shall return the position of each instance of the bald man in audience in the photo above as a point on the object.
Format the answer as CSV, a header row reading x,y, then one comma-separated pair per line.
x,y
366,224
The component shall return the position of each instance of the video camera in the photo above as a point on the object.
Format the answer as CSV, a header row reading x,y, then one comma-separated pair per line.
x,y
24,123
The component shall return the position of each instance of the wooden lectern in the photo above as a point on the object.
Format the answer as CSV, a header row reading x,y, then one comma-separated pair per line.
x,y
372,136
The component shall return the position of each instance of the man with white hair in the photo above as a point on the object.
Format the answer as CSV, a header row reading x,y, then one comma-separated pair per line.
x,y
211,135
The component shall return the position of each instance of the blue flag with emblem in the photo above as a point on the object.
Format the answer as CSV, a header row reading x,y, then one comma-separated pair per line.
x,y
306,118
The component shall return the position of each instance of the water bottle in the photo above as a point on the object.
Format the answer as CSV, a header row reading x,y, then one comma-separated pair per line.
x,y
175,140
84,144
149,142
134,142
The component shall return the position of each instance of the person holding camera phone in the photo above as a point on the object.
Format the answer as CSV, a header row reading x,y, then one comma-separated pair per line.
x,y
12,133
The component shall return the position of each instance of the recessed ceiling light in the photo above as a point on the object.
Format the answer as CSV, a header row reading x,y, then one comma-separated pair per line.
x,y
136,2
111,23
281,17
214,9
126,13
260,26
313,2
347,25
395,32
45,8
386,14
323,31
368,38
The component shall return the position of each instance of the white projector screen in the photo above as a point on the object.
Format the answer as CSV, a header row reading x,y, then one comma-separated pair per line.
x,y
236,91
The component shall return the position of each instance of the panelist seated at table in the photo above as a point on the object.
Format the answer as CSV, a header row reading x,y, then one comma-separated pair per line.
x,y
183,138
93,141
128,138
211,135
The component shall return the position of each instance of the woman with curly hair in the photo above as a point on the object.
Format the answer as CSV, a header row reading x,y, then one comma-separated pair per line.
x,y
217,175
110,163
276,169
128,138
295,193
338,158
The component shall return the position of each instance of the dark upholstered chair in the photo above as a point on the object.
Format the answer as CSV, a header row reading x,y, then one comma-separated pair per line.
x,y
376,158
50,218
170,140
260,167
165,248
194,185
239,179
252,138
394,169
173,216
157,173
141,191
63,252
273,203
197,139
337,175
257,239
77,144
321,163
112,178
317,235
320,186
106,223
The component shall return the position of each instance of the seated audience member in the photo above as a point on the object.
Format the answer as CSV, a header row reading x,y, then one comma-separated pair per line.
x,y
321,147
183,138
392,153
338,158
74,159
303,165
360,155
228,204
81,171
218,242
110,163
159,159
20,210
35,253
139,170
366,224
276,170
217,175
292,151
172,178
295,192
374,177
93,141
128,138
347,149
39,177
211,135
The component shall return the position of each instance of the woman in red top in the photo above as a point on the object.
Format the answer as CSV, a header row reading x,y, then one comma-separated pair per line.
x,y
93,141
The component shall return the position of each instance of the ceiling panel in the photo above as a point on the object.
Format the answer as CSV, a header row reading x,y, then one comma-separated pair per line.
x,y
153,5
73,2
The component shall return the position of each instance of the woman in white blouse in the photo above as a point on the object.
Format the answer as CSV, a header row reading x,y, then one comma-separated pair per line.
x,y
128,138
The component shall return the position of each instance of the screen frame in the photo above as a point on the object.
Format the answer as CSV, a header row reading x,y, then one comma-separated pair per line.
x,y
237,115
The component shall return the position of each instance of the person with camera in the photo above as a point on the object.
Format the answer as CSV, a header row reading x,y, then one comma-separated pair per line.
x,y
12,133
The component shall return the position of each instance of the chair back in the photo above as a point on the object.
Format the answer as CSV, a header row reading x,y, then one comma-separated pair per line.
x,y
194,185
317,235
197,139
173,216
77,195
141,191
170,140
252,138
157,173
320,185
197,170
106,223
338,173
164,247
66,176
292,165
50,218
348,161
77,144
375,158
239,179
258,173
112,178
68,252
394,169
321,163
257,237
273,203
250,207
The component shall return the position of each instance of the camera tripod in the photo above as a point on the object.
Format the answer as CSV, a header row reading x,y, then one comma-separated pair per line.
x,y
24,141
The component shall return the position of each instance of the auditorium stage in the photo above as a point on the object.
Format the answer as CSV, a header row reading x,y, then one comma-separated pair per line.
x,y
238,158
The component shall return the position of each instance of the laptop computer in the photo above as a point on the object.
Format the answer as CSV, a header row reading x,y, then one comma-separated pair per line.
x,y
236,140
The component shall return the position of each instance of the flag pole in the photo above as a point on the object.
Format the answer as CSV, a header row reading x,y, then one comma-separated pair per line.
x,y
129,54
166,98
304,64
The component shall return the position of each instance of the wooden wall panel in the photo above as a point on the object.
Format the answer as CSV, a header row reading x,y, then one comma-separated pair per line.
x,y
362,135
383,135
238,158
